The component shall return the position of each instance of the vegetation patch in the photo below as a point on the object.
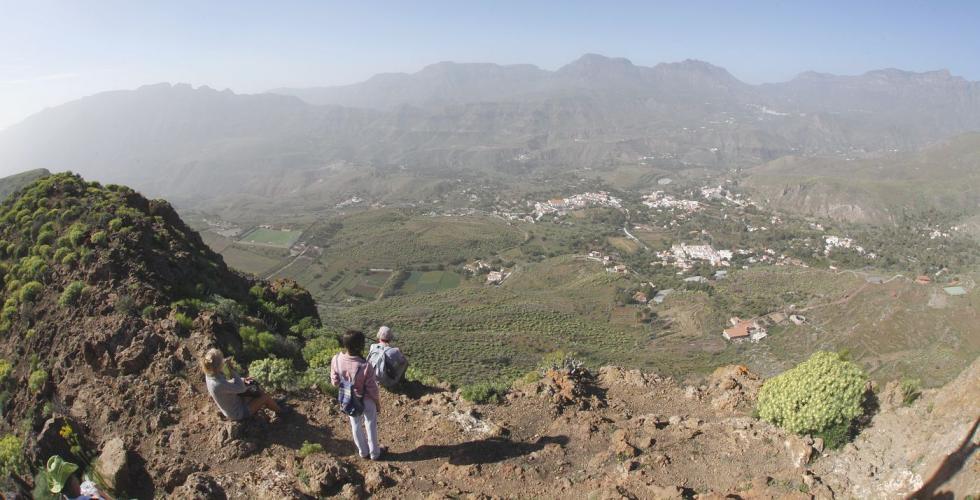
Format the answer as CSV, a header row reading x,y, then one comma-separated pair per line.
x,y
821,396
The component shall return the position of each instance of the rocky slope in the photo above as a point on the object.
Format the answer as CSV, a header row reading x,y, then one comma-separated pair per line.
x,y
108,297
121,392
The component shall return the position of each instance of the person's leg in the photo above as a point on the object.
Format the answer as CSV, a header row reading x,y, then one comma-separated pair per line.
x,y
360,440
371,424
263,401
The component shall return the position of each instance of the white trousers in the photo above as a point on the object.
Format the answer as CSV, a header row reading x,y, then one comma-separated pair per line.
x,y
367,442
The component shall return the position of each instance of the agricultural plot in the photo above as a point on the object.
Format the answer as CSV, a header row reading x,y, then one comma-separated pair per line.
x,y
271,237
430,281
368,285
249,262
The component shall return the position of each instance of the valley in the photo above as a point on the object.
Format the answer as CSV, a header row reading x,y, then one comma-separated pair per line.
x,y
620,266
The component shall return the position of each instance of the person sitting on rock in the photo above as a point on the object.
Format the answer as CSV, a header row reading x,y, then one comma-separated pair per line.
x,y
388,363
237,398
350,365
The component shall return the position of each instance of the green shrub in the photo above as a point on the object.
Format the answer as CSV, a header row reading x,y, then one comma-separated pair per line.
x,y
274,373
30,291
261,344
822,395
70,295
148,311
319,377
5,369
76,233
124,304
37,379
484,392
184,321
415,374
11,455
116,224
911,390
45,237
309,448
60,254
99,238
319,343
69,259
33,267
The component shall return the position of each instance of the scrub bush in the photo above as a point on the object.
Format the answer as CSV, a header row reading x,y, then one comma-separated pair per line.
x,y
821,396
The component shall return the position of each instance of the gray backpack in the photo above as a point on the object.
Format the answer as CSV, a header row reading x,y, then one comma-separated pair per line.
x,y
384,368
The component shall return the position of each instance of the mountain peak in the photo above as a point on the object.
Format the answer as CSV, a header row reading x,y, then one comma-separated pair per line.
x,y
595,64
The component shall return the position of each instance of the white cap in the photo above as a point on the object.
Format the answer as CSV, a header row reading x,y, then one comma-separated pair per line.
x,y
386,334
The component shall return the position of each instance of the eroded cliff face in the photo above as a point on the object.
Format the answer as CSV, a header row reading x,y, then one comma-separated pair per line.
x,y
925,449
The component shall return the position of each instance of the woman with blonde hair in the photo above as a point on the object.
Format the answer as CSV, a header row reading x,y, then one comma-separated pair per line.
x,y
236,398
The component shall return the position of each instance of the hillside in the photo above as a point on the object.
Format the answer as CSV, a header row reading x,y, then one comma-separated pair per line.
x,y
110,298
500,121
944,177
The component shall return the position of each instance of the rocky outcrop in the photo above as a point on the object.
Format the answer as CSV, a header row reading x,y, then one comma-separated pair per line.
x,y
925,449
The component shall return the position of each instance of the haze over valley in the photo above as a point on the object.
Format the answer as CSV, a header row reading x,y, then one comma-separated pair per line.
x,y
610,279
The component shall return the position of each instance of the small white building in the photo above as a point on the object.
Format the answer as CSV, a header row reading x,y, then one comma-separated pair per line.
x,y
495,277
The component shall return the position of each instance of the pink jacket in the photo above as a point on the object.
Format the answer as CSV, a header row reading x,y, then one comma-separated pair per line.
x,y
359,370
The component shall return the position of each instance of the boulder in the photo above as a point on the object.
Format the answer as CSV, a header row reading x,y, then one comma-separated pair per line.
x,y
377,479
327,475
800,449
200,486
113,464
621,446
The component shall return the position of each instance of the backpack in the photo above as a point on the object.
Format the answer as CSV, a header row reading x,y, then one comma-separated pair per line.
x,y
385,370
350,404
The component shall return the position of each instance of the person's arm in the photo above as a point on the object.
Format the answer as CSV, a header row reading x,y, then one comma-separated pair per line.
x,y
401,361
398,356
334,376
233,386
371,385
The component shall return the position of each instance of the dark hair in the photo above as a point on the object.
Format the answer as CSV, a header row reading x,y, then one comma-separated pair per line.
x,y
353,342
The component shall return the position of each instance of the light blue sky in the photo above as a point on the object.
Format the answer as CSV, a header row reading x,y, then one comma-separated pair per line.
x,y
51,52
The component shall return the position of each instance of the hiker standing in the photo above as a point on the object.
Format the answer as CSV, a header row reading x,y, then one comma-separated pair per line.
x,y
359,395
389,363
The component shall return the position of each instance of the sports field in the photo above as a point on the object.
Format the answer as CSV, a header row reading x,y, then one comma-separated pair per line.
x,y
272,237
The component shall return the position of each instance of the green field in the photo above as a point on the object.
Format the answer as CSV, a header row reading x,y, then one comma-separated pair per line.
x,y
272,237
430,281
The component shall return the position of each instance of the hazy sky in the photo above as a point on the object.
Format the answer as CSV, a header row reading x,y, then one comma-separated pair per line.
x,y
52,52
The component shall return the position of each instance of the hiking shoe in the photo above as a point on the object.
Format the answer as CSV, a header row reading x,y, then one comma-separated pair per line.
x,y
381,454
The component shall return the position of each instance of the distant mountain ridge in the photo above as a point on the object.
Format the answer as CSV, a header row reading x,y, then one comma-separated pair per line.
x,y
192,144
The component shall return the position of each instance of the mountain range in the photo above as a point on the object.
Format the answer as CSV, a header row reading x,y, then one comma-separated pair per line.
x,y
187,143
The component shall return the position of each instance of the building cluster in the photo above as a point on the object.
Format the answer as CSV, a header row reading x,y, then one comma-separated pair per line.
x,y
834,242
662,200
354,200
494,276
684,256
576,202
609,262
744,329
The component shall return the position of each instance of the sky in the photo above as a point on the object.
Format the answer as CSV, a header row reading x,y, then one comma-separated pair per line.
x,y
52,52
